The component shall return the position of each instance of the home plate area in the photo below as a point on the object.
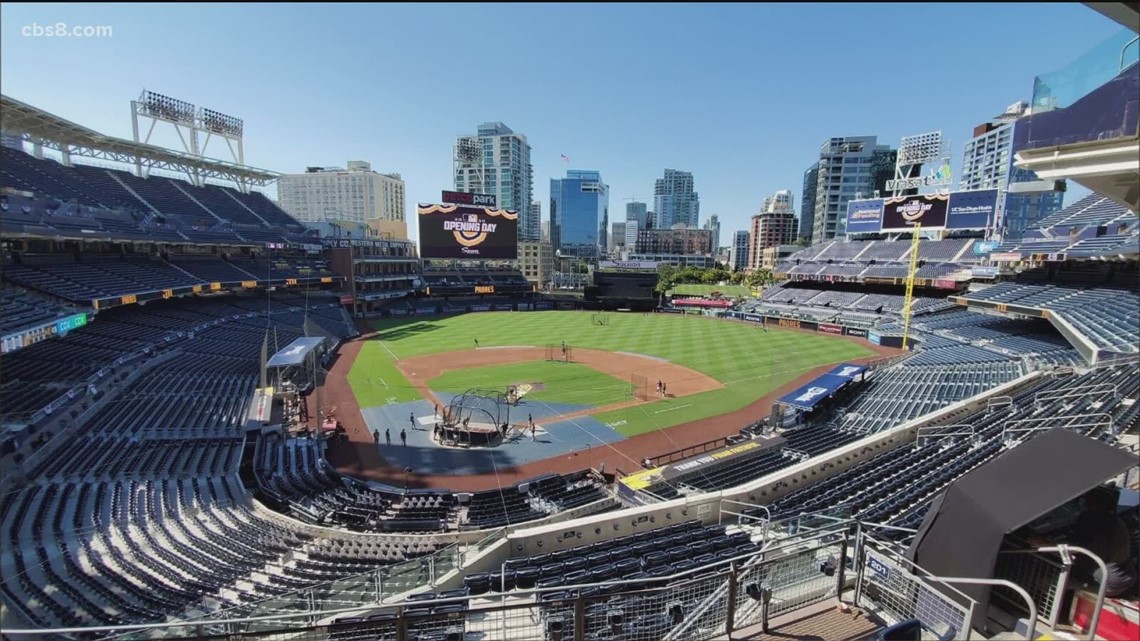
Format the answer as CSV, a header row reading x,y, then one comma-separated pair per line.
x,y
554,435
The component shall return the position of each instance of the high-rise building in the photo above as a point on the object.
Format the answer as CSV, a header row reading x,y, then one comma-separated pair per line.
x,y
636,211
631,230
987,163
781,202
679,241
770,229
496,161
536,262
354,194
617,237
533,222
579,214
713,225
738,251
675,201
807,201
847,167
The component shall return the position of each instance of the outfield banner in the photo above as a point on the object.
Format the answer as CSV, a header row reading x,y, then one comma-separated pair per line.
x,y
462,231
790,323
525,307
946,284
973,209
669,310
855,331
453,309
808,396
903,213
752,318
864,216
828,328
543,306
398,311
502,307
480,308
426,311
874,338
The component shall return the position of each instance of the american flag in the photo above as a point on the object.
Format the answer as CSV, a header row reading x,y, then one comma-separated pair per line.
x,y
565,157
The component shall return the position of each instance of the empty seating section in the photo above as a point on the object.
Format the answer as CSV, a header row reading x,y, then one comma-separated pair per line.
x,y
180,203
293,472
1107,316
826,302
1093,209
93,276
896,487
21,310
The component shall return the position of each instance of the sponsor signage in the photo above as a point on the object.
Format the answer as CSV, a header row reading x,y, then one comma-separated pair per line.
x,y
983,247
543,306
1005,257
502,307
425,311
398,311
828,328
466,198
788,322
848,370
484,289
753,318
462,231
973,209
346,299
984,272
627,264
902,214
480,308
940,178
946,284
864,216
65,325
875,338
855,331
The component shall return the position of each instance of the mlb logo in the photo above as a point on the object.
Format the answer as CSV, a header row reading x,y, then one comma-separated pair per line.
x,y
472,218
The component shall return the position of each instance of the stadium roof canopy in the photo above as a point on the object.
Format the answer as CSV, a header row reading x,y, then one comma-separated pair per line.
x,y
37,126
965,525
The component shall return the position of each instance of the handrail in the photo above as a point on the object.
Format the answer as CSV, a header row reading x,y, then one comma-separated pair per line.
x,y
1064,551
1014,426
918,435
1030,633
1124,49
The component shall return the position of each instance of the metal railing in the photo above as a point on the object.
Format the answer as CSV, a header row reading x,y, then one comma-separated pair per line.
x,y
1040,423
1037,572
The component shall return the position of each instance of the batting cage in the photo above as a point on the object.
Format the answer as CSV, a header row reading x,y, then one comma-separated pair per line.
x,y
600,320
478,416
639,387
561,353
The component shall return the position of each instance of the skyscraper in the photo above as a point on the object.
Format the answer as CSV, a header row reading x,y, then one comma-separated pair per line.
x,y
675,201
579,214
773,225
713,224
847,166
496,161
738,251
533,222
636,211
987,163
807,201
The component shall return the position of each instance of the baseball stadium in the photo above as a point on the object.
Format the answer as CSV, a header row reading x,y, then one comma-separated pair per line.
x,y
221,422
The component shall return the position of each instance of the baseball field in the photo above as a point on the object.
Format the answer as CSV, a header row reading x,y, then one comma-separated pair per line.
x,y
711,367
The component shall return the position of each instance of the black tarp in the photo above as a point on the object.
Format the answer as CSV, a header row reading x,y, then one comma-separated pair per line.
x,y
965,526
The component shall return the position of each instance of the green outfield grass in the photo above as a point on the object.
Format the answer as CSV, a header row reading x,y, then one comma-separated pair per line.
x,y
747,360
564,382
729,291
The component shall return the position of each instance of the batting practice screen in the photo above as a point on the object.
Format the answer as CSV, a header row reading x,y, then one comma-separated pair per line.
x,y
465,231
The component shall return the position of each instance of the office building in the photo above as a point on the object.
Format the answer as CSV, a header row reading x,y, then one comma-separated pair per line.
x,y
681,240
774,224
638,212
774,255
579,214
617,237
738,251
496,161
848,167
987,163
533,222
536,262
354,194
631,231
713,225
807,201
781,202
674,200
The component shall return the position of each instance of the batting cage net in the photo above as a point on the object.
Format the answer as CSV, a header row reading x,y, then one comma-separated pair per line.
x,y
600,320
639,387
561,353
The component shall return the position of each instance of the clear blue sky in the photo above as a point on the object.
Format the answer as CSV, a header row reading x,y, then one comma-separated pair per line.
x,y
742,96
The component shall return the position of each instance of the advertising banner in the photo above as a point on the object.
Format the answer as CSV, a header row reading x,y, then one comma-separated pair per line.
x,y
807,396
828,328
480,308
855,331
425,311
901,214
983,247
848,370
874,338
502,307
398,311
984,272
1005,257
753,318
864,216
973,209
543,305
467,198
461,231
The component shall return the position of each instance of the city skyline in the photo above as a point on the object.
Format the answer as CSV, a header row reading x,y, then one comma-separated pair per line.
x,y
400,129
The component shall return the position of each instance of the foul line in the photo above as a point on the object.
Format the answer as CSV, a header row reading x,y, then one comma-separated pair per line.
x,y
670,409
390,352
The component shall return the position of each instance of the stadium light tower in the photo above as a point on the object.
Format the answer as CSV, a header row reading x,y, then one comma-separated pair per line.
x,y
195,127
914,152
468,155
